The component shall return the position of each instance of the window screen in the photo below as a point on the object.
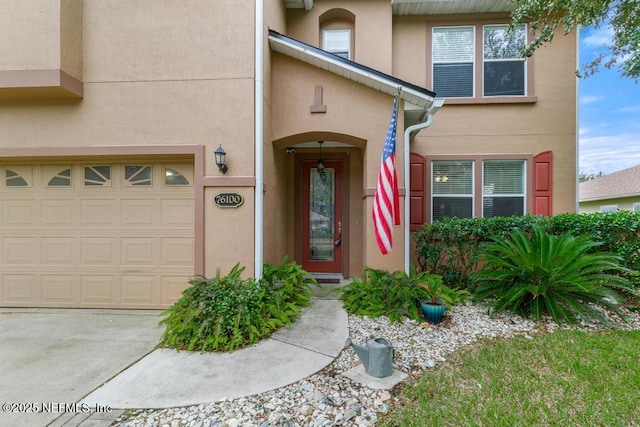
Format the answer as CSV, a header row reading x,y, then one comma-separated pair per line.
x,y
453,53
337,42
503,69
503,188
452,189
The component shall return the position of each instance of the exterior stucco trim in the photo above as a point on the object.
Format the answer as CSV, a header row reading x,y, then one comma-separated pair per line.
x,y
56,78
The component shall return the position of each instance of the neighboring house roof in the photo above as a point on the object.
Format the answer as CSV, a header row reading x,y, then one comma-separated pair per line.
x,y
420,97
624,183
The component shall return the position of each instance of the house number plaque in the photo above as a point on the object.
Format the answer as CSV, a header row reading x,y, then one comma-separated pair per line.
x,y
228,200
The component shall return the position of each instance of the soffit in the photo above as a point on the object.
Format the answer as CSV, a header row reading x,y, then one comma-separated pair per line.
x,y
442,7
429,7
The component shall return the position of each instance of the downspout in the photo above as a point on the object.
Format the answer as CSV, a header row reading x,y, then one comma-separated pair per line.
x,y
577,178
407,179
258,237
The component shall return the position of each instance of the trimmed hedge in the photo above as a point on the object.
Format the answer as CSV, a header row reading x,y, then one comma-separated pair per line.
x,y
451,246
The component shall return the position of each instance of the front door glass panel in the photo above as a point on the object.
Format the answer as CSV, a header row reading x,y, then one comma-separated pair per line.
x,y
321,215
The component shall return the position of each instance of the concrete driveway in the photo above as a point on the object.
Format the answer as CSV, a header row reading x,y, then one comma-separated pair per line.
x,y
51,358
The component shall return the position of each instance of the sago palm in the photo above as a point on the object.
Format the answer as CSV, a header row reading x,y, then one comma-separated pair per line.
x,y
542,273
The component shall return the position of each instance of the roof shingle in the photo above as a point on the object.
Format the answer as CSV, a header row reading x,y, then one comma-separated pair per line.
x,y
624,183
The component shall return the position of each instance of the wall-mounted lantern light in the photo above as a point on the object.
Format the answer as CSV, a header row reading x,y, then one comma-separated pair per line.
x,y
221,159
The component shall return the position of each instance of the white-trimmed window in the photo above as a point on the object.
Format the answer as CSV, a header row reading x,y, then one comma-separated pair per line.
x,y
503,184
502,71
608,208
337,42
452,189
504,67
636,207
453,66
459,190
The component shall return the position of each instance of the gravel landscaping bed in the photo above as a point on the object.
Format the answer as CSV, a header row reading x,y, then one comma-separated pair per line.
x,y
329,398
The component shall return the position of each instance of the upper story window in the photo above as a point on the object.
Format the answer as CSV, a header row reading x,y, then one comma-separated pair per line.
x,y
453,61
503,68
337,42
470,61
337,32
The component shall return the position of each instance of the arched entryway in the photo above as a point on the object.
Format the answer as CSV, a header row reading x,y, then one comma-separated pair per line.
x,y
327,230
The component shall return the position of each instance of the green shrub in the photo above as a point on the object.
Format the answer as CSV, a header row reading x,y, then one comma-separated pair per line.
x,y
395,295
617,232
451,246
542,273
227,313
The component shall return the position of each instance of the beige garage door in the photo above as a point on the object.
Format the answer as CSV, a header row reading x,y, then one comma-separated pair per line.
x,y
108,234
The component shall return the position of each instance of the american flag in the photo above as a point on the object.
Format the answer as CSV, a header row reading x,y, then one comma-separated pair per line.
x,y
386,203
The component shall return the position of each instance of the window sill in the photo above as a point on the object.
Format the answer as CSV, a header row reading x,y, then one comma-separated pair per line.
x,y
492,100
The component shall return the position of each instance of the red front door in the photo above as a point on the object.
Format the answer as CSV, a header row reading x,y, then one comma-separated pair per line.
x,y
322,225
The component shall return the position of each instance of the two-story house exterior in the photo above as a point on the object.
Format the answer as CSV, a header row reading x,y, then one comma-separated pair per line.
x,y
111,114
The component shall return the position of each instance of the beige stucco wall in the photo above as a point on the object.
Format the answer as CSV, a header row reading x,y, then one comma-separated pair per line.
x,y
155,73
278,200
41,35
373,27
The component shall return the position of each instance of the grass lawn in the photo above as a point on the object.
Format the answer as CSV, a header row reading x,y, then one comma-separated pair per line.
x,y
563,378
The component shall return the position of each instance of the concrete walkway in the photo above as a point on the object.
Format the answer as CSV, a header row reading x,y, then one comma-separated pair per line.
x,y
168,378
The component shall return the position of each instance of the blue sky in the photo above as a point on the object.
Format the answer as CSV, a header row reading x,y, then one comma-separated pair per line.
x,y
609,108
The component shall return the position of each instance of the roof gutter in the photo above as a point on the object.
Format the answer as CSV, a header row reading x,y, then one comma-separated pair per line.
x,y
258,227
409,133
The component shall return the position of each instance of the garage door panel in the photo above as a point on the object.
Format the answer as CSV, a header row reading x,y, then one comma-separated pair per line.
x,y
98,251
20,288
172,288
139,213
103,290
58,213
139,291
177,213
17,213
19,251
138,251
58,289
98,213
58,251
177,251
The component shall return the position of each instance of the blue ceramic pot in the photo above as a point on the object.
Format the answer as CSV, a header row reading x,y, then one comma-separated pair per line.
x,y
432,312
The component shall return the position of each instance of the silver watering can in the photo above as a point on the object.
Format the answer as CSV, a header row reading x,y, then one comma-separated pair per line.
x,y
376,356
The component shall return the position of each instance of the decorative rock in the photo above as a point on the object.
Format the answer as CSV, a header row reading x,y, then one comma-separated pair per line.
x,y
231,422
328,398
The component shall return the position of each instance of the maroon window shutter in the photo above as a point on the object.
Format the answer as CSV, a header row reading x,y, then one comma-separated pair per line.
x,y
417,171
542,183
